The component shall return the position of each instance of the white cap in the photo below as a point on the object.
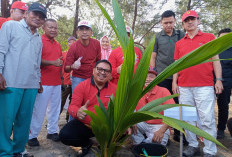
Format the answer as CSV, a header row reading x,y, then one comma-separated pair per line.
x,y
84,23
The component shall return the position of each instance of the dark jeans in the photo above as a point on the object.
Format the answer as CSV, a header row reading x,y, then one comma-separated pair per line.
x,y
167,83
223,101
66,91
76,134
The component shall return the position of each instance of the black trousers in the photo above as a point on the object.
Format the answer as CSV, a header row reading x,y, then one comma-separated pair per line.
x,y
76,134
223,101
66,91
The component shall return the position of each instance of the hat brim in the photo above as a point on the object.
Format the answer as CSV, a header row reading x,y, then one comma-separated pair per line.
x,y
37,10
189,16
84,26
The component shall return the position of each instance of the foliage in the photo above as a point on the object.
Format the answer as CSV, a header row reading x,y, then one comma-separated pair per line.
x,y
109,125
214,14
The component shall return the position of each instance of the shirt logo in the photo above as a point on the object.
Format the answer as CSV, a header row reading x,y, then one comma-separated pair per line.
x,y
107,96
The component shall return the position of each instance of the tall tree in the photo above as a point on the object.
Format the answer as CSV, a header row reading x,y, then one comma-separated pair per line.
x,y
5,7
214,14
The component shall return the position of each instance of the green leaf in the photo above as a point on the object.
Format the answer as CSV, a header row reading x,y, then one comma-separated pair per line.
x,y
160,108
157,102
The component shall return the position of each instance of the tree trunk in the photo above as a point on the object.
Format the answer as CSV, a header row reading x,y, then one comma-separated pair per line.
x,y
135,15
189,5
5,8
76,19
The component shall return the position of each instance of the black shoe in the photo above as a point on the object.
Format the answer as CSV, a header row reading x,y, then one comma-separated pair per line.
x,y
220,134
54,137
177,139
33,142
191,151
84,150
24,154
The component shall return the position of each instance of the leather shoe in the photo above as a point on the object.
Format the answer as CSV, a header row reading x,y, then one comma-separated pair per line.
x,y
33,142
54,137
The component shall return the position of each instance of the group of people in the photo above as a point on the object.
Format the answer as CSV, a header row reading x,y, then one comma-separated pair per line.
x,y
36,78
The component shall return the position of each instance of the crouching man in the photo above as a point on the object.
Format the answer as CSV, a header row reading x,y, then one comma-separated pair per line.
x,y
154,130
78,131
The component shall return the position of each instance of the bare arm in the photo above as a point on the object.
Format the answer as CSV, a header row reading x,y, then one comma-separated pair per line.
x,y
153,59
218,73
175,87
158,135
56,63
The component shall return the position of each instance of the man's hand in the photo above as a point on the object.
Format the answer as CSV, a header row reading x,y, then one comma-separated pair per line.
x,y
2,82
58,62
119,68
40,90
218,87
158,136
77,64
132,130
175,88
80,114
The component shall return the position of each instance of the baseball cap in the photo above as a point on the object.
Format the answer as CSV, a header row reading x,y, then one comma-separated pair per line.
x,y
84,23
19,5
39,8
71,38
129,30
188,14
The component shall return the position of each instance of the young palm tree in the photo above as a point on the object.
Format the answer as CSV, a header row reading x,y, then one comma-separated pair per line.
x,y
109,125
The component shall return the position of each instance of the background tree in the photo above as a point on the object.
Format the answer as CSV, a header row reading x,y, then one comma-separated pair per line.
x,y
5,7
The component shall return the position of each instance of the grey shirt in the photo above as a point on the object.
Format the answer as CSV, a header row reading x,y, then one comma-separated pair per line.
x,y
165,47
20,55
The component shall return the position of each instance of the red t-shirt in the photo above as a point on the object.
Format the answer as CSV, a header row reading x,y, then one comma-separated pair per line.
x,y
50,75
156,93
66,76
87,90
3,20
90,55
198,75
116,59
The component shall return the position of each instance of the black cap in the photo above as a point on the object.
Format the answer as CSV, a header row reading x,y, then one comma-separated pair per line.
x,y
39,8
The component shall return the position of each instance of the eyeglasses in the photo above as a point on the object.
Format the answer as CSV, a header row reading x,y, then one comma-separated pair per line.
x,y
101,70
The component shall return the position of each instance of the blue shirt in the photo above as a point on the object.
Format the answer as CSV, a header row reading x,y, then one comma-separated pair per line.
x,y
226,67
20,55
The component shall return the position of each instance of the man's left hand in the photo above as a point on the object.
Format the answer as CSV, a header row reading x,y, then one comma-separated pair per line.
x,y
218,87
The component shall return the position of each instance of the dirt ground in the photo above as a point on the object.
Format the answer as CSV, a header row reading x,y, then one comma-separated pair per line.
x,y
49,148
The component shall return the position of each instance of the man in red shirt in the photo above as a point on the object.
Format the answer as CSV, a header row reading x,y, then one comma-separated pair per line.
x,y
17,12
155,130
116,59
196,84
78,131
82,55
48,102
66,82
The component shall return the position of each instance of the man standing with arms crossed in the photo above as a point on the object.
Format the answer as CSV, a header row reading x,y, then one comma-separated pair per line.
x,y
17,12
20,58
49,101
196,84
163,53
82,55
